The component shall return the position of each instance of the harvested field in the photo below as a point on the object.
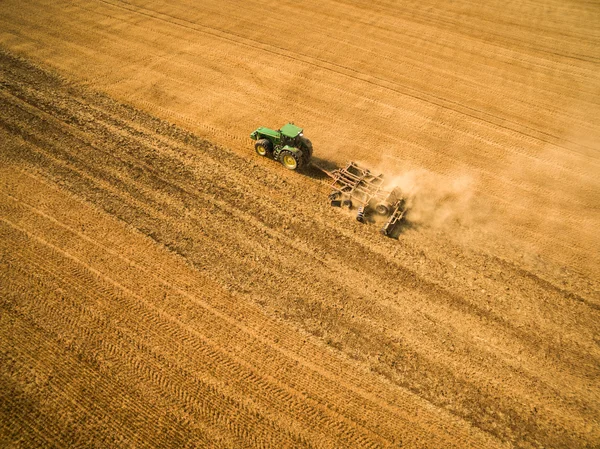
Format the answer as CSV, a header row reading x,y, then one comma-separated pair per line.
x,y
162,286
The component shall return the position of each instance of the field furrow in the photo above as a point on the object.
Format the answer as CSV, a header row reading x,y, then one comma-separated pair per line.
x,y
163,286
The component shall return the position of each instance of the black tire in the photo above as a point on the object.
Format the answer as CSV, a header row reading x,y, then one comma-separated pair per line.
x,y
307,150
290,160
263,147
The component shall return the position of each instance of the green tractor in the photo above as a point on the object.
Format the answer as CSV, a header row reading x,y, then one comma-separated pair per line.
x,y
286,145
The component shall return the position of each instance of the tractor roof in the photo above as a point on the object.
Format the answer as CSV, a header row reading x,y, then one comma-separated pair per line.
x,y
290,130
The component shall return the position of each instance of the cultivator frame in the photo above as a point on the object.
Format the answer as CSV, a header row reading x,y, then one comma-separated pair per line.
x,y
355,185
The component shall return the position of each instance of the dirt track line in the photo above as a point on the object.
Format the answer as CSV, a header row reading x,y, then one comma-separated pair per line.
x,y
195,299
215,312
503,59
83,360
25,427
354,74
416,59
212,199
37,140
573,33
394,13
74,397
425,17
233,407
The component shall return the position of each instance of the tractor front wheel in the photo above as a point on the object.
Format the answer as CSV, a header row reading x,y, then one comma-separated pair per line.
x,y
263,147
290,160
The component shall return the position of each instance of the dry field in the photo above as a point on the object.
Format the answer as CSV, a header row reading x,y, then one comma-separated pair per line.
x,y
162,286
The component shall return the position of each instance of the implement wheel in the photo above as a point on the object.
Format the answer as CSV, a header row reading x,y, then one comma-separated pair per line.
x,y
382,209
263,147
290,160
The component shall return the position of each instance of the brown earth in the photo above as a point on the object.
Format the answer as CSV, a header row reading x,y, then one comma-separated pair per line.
x,y
158,290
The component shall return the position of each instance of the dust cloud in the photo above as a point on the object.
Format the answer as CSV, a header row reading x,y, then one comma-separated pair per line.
x,y
436,200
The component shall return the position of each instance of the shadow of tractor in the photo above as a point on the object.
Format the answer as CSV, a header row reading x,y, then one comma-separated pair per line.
x,y
318,168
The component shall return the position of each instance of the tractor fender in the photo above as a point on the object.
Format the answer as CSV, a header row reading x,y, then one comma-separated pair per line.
x,y
293,150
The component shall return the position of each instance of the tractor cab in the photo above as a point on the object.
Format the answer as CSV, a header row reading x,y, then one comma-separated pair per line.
x,y
293,135
290,130
290,133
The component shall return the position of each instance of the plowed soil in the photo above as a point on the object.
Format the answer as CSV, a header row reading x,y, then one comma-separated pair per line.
x,y
163,286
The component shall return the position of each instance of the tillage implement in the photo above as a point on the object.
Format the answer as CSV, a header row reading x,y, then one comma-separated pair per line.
x,y
355,186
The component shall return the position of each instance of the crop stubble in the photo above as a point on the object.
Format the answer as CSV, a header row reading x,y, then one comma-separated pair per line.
x,y
160,290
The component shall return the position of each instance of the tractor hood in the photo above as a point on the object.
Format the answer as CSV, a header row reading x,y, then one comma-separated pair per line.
x,y
290,130
264,132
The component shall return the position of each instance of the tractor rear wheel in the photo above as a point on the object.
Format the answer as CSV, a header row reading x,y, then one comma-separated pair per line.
x,y
290,160
263,147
